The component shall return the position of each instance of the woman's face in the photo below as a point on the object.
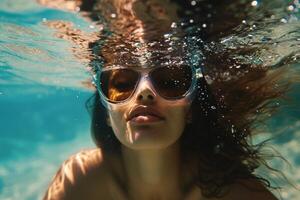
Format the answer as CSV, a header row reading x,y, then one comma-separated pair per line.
x,y
148,121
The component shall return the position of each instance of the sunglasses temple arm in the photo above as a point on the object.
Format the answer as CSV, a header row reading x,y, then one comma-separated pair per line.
x,y
94,80
199,73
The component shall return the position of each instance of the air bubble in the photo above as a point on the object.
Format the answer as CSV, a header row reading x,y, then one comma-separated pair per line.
x,y
77,9
101,27
290,8
254,3
167,35
232,130
173,25
204,25
193,3
113,15
283,20
136,44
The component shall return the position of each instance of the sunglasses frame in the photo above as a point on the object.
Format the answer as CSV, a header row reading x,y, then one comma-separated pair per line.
x,y
196,74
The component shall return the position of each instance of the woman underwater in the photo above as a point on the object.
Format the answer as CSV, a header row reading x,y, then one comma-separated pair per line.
x,y
172,117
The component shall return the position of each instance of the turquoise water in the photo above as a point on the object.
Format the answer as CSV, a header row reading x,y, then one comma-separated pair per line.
x,y
43,117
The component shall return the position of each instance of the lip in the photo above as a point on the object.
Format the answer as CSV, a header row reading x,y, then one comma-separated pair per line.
x,y
144,110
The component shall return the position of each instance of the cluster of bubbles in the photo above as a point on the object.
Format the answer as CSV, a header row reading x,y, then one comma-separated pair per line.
x,y
262,35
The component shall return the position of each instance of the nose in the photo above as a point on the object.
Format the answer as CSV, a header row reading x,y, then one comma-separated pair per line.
x,y
145,95
145,91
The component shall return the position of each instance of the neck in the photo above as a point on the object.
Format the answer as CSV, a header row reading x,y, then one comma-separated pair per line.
x,y
151,171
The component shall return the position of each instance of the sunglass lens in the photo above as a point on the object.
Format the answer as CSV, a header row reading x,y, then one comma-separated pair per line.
x,y
118,84
172,82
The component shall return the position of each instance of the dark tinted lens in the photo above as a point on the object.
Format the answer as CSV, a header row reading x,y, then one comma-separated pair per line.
x,y
172,82
118,84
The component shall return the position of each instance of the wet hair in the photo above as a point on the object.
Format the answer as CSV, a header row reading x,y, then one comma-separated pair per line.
x,y
235,95
218,135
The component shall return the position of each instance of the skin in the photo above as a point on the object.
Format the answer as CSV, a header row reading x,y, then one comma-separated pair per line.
x,y
148,168
152,136
151,152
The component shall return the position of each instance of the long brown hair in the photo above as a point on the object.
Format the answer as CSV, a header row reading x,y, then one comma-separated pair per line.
x,y
238,91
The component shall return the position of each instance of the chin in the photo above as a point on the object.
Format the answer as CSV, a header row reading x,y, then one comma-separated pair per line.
x,y
148,138
148,144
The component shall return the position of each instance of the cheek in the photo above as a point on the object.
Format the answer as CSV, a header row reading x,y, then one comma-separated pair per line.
x,y
177,120
117,123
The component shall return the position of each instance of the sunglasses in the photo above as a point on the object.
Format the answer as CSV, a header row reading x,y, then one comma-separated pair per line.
x,y
118,84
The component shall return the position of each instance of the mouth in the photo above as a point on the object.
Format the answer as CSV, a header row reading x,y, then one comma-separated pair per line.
x,y
145,115
142,119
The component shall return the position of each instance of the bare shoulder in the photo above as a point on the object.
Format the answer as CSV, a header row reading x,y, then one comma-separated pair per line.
x,y
248,190
82,176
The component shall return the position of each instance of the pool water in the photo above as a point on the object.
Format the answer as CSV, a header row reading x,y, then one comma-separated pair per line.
x,y
43,118
42,103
